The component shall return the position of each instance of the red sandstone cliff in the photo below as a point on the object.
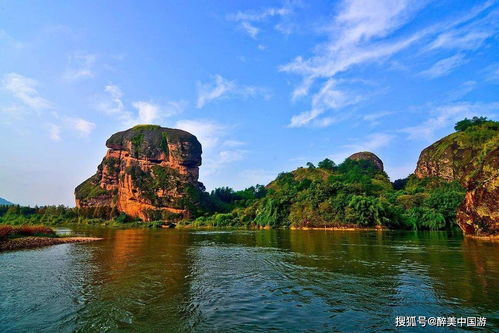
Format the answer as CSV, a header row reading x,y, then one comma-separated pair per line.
x,y
148,172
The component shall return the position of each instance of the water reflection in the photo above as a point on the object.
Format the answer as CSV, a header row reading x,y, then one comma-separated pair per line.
x,y
187,280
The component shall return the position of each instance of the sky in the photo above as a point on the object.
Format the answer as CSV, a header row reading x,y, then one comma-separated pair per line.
x,y
266,86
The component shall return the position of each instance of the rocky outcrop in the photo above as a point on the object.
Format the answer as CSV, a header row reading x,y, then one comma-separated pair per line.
x,y
479,213
472,158
368,156
149,172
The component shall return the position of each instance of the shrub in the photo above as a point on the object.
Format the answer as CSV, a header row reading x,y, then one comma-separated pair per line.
x,y
5,231
29,230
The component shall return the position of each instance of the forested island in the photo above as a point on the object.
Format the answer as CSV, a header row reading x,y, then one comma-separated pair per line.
x,y
149,177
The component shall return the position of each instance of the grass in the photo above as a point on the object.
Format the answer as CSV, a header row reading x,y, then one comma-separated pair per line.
x,y
8,232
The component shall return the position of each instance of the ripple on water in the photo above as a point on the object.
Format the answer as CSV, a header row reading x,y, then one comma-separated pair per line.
x,y
232,281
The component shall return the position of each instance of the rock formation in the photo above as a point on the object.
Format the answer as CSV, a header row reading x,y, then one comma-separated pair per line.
x,y
472,158
149,172
479,213
367,156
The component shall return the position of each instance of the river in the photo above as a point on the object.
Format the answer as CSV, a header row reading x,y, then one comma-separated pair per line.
x,y
168,280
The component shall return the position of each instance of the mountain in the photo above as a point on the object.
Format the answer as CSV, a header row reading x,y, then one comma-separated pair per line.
x,y
149,172
471,157
5,202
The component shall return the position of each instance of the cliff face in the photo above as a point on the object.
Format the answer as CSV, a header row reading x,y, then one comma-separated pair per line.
x,y
472,158
148,172
479,213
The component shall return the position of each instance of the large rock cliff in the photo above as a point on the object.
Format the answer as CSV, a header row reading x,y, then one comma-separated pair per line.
x,y
149,172
472,158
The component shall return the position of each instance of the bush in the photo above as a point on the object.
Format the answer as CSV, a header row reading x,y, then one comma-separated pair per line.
x,y
466,123
5,231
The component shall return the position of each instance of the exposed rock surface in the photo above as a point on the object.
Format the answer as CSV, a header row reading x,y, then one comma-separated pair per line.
x,y
472,158
479,213
367,156
149,172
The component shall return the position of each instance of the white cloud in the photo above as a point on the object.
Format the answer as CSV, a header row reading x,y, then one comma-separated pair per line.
x,y
55,132
24,89
229,156
354,39
233,143
222,88
209,133
373,118
371,143
208,92
81,66
363,32
259,15
83,126
147,112
446,116
304,118
462,90
250,29
248,19
357,25
398,172
467,34
329,97
444,66
114,104
218,150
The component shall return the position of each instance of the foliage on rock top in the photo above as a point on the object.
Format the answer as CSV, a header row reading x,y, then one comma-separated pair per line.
x,y
463,151
152,142
89,189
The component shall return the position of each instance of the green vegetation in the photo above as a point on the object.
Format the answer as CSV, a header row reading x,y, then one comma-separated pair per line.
x,y
145,127
88,190
352,194
136,143
164,143
466,123
16,215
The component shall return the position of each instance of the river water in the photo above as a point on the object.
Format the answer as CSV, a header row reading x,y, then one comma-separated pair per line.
x,y
167,280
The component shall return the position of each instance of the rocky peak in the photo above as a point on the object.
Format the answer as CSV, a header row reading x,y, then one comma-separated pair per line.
x,y
148,172
367,156
470,156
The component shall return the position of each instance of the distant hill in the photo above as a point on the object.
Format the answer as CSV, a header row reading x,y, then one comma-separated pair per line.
x,y
5,202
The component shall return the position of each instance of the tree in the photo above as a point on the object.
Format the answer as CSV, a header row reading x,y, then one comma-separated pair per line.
x,y
366,210
310,165
326,164
467,123
399,184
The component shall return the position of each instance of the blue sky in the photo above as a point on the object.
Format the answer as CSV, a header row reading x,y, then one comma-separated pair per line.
x,y
266,86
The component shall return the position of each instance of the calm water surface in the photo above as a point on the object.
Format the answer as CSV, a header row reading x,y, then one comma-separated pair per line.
x,y
141,280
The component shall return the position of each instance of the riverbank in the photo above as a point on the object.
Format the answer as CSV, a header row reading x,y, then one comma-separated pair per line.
x,y
349,228
33,242
490,238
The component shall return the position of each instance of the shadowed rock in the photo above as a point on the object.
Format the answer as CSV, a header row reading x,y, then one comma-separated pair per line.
x,y
368,156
